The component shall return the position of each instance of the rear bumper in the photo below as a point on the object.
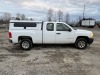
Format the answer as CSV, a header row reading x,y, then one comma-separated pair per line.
x,y
91,40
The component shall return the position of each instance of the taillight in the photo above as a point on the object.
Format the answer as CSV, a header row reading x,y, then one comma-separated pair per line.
x,y
10,35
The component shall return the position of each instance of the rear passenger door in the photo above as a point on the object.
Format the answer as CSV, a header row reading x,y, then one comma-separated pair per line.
x,y
49,33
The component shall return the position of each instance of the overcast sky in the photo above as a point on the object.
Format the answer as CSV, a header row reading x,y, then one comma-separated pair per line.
x,y
38,8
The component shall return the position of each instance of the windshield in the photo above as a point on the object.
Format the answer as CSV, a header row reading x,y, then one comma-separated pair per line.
x,y
75,28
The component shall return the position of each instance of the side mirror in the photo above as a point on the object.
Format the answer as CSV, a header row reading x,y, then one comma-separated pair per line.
x,y
69,30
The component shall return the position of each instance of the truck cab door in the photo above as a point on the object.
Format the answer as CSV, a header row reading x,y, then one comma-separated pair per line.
x,y
49,33
64,34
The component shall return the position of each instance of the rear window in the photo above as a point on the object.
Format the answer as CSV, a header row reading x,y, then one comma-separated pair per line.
x,y
25,24
50,27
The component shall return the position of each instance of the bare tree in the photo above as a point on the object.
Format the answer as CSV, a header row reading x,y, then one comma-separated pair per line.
x,y
18,16
50,14
1,19
60,15
6,18
55,17
80,18
27,18
23,17
31,19
67,18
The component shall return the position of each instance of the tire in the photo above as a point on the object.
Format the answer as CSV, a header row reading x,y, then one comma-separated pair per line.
x,y
26,44
81,43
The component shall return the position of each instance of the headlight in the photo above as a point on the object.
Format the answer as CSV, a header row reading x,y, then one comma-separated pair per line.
x,y
91,35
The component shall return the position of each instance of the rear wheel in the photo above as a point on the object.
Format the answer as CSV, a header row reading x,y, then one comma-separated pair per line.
x,y
81,43
26,44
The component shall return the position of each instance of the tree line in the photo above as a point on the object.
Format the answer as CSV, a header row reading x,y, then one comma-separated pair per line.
x,y
58,16
52,15
6,17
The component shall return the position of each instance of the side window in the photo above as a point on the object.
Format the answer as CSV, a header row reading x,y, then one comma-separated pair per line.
x,y
25,24
50,26
62,27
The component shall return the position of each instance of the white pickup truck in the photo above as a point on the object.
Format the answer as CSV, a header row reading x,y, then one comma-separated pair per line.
x,y
27,33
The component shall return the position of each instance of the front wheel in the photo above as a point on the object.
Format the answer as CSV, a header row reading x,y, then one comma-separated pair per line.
x,y
26,44
81,43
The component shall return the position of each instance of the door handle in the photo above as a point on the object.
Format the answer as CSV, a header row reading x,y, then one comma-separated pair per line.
x,y
58,33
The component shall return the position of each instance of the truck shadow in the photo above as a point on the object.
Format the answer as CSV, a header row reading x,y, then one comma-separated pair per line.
x,y
40,46
17,49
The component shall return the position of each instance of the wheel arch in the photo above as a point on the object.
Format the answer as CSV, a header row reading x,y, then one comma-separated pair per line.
x,y
85,37
25,37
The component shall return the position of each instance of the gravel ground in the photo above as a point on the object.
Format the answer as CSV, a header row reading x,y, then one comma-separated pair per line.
x,y
49,59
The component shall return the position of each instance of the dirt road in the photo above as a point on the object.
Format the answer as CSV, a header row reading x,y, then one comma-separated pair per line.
x,y
49,59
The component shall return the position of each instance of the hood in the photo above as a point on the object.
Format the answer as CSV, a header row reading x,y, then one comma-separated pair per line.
x,y
80,30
